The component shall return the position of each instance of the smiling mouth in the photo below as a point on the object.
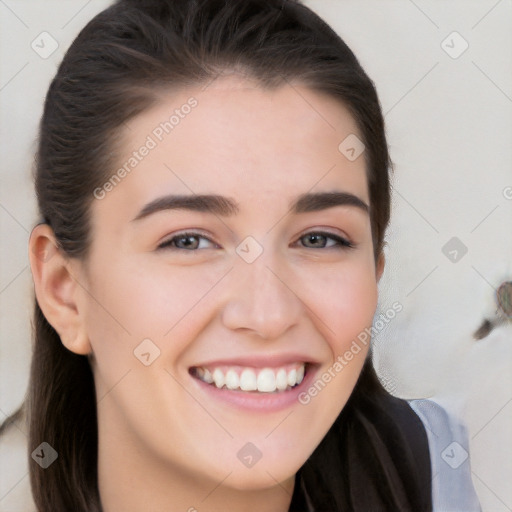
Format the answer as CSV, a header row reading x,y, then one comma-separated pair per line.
x,y
252,380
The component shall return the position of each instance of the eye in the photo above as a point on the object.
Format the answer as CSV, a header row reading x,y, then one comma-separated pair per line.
x,y
192,241
189,241
320,240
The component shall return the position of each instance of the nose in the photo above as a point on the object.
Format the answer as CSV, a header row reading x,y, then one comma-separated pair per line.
x,y
261,300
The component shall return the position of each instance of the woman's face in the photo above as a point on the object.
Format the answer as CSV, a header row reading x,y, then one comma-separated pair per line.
x,y
217,255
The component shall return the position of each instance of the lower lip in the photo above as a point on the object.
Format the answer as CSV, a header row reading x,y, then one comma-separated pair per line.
x,y
254,401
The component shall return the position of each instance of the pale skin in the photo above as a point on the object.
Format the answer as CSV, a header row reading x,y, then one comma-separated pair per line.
x,y
163,445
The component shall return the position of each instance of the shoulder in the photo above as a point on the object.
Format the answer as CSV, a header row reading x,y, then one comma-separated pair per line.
x,y
452,487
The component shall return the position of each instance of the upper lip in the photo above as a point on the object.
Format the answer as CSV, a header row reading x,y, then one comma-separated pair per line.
x,y
259,361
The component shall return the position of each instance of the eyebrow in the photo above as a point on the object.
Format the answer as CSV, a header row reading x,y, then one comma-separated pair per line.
x,y
225,206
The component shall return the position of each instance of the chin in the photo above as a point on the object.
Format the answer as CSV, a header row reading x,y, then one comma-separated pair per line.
x,y
273,468
252,479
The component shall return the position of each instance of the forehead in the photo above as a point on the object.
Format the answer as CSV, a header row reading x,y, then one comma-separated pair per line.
x,y
233,137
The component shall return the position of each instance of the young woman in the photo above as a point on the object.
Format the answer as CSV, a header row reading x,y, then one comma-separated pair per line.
x,y
213,185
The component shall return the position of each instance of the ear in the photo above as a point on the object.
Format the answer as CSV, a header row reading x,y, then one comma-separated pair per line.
x,y
381,262
57,289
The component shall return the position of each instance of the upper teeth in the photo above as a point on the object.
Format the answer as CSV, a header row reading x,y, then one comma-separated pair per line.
x,y
266,380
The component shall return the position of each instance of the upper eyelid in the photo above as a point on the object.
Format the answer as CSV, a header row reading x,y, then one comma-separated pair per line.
x,y
324,231
167,241
200,234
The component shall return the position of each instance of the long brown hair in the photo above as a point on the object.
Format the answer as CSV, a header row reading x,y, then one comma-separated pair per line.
x,y
109,75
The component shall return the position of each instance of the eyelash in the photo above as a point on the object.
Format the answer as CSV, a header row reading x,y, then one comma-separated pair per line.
x,y
341,243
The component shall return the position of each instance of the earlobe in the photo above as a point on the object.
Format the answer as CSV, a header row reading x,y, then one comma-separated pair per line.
x,y
381,263
57,290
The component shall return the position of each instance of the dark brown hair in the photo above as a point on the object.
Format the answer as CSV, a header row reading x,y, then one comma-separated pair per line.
x,y
110,74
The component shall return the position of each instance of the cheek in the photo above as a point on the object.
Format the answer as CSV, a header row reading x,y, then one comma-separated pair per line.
x,y
355,311
344,301
137,300
344,305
